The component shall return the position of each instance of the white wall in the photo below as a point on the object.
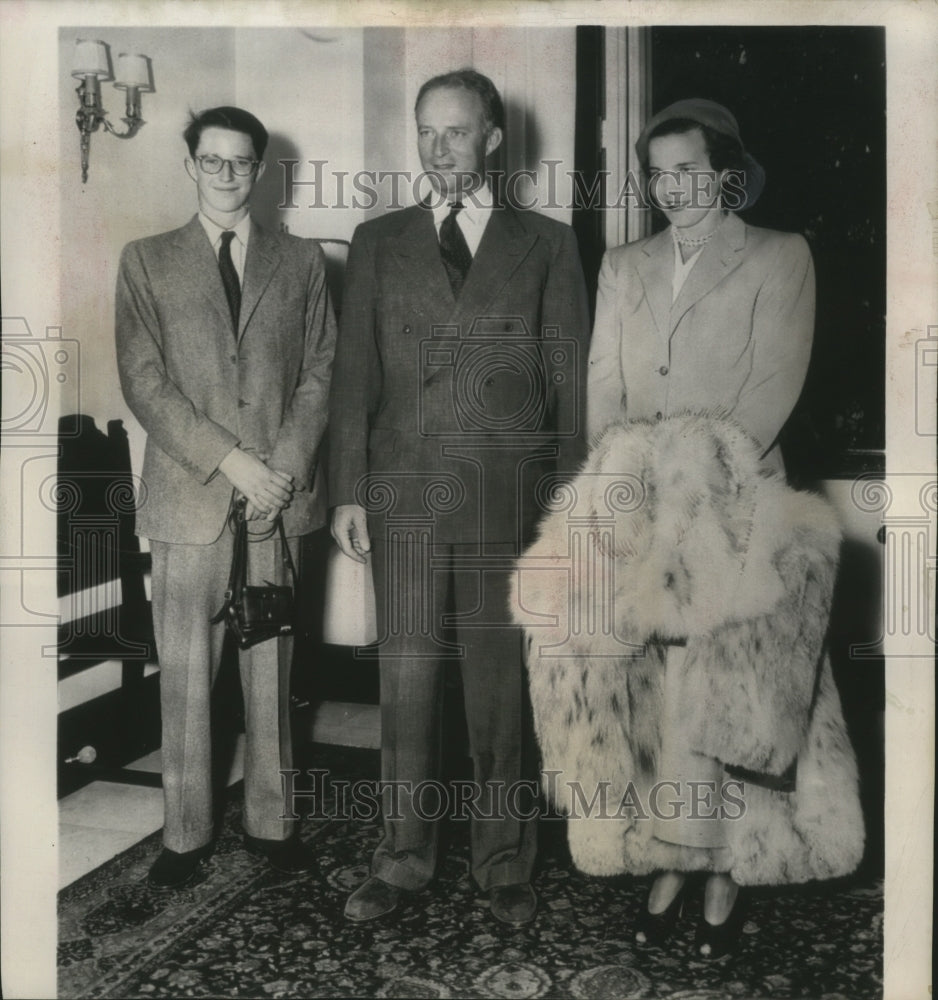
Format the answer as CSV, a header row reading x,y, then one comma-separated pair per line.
x,y
306,86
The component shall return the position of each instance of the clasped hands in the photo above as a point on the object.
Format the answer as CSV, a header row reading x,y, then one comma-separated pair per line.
x,y
267,491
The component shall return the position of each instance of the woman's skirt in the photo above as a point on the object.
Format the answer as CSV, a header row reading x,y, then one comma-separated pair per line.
x,y
688,794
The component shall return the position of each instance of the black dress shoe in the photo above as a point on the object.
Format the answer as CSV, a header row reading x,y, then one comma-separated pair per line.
x,y
173,870
716,940
289,857
514,905
372,899
656,928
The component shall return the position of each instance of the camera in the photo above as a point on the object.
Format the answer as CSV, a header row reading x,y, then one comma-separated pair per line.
x,y
36,370
496,378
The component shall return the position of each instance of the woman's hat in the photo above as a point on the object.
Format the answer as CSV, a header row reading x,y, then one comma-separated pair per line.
x,y
720,119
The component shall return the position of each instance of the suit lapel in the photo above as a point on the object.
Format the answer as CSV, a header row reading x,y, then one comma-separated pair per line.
x,y
199,274
262,260
715,262
655,269
416,251
504,245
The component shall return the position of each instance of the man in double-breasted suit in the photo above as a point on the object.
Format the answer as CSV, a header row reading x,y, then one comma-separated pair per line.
x,y
225,338
457,390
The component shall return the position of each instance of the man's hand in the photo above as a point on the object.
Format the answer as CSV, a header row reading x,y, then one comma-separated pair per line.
x,y
350,530
252,513
267,491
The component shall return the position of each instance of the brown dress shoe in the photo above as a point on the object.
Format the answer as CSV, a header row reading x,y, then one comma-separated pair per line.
x,y
173,870
514,905
372,899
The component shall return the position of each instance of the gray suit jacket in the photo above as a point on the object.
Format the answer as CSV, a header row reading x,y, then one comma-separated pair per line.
x,y
199,388
487,390
736,340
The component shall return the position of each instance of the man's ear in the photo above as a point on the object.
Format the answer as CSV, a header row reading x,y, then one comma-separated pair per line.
x,y
493,140
190,169
261,167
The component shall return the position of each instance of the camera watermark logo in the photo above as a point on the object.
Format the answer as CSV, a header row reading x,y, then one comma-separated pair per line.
x,y
926,383
498,379
36,370
40,374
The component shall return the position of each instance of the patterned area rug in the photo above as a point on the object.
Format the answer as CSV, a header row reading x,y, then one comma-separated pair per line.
x,y
242,931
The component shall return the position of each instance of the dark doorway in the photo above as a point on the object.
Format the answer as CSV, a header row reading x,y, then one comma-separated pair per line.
x,y
588,155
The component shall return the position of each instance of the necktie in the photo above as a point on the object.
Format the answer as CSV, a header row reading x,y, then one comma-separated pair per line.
x,y
229,277
454,250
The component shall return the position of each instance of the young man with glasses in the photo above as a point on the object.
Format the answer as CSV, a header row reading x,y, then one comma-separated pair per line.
x,y
225,338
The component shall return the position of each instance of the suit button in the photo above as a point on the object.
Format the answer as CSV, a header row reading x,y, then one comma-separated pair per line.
x,y
234,358
242,404
508,327
663,370
406,329
659,415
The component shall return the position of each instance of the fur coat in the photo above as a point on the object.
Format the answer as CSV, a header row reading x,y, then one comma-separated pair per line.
x,y
674,532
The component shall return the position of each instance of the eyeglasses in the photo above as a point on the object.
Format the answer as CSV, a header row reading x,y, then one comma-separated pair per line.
x,y
240,165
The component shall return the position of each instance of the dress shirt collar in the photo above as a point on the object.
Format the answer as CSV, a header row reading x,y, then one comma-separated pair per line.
x,y
682,268
242,231
477,207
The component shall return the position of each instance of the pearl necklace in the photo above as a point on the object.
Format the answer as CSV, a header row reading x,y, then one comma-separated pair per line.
x,y
694,241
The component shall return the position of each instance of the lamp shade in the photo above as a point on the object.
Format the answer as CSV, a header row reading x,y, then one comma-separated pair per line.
x,y
132,71
90,59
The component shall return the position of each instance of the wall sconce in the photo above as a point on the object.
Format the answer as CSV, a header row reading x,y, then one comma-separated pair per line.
x,y
91,65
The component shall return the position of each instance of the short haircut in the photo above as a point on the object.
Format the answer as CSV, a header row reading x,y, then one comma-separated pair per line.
x,y
235,119
725,151
493,111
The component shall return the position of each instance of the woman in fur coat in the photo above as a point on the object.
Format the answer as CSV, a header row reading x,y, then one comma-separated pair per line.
x,y
710,315
675,605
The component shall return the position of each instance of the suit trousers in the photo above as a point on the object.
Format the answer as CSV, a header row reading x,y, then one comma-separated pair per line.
x,y
189,583
412,595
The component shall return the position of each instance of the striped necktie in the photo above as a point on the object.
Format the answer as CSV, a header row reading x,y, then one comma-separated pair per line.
x,y
454,250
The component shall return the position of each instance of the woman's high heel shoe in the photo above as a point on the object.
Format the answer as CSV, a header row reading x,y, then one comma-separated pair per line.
x,y
656,928
716,940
